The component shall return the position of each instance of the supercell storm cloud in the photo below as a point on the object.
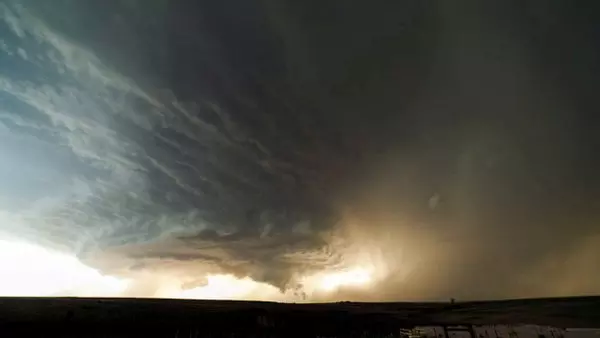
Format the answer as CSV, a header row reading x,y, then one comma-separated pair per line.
x,y
93,160
433,150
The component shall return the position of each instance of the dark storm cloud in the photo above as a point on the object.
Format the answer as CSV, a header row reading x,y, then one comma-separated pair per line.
x,y
228,136
146,166
503,143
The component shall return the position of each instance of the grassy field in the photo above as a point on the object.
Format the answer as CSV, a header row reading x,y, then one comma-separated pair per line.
x,y
131,317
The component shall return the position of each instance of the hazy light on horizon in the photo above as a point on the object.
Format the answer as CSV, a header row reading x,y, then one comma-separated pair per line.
x,y
354,277
31,270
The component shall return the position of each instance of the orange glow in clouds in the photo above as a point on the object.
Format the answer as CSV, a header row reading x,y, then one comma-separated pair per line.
x,y
355,277
30,270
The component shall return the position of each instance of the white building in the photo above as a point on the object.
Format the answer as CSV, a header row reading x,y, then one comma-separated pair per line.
x,y
502,331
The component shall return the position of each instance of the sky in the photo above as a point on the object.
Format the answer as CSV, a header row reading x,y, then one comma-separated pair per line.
x,y
299,151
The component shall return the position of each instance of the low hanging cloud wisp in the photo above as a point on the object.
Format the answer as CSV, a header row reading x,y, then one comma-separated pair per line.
x,y
32,271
